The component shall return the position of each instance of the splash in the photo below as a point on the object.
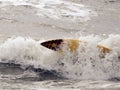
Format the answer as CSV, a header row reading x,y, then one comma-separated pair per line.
x,y
85,63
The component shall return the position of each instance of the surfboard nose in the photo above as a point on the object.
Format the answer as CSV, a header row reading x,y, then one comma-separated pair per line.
x,y
52,44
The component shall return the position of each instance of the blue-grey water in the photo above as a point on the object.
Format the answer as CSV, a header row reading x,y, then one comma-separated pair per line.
x,y
26,65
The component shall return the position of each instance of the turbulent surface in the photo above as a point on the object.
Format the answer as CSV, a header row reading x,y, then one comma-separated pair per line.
x,y
26,65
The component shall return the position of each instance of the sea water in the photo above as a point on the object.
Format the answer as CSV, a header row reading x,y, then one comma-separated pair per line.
x,y
26,65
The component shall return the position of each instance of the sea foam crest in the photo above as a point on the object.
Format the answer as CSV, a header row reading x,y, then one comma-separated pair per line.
x,y
85,63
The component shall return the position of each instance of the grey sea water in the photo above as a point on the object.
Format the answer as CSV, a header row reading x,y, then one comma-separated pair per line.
x,y
26,65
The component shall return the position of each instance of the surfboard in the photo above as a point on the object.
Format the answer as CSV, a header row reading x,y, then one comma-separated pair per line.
x,y
72,45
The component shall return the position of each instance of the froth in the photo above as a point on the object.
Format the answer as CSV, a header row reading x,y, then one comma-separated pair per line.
x,y
85,63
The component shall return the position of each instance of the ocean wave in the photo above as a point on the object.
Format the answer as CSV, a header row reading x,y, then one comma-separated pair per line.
x,y
85,64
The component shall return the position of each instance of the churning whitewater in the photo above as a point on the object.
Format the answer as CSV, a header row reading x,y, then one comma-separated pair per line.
x,y
85,63
27,65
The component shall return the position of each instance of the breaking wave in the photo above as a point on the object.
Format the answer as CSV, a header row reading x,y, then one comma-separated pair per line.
x,y
85,63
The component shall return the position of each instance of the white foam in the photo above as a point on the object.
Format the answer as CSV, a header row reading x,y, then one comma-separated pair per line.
x,y
26,51
57,9
83,64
